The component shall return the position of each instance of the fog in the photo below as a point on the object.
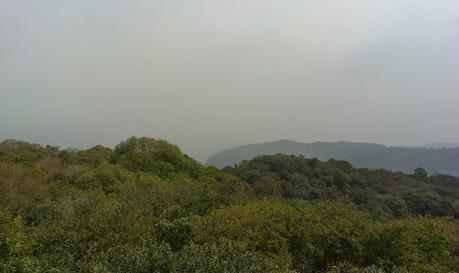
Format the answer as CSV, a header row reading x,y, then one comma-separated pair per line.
x,y
209,75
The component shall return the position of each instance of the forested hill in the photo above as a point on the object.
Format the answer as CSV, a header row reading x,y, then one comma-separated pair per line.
x,y
147,207
367,155
380,191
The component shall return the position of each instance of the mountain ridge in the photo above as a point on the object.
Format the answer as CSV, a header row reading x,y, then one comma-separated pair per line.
x,y
359,154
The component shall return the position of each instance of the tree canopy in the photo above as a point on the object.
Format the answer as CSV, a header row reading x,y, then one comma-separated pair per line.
x,y
145,206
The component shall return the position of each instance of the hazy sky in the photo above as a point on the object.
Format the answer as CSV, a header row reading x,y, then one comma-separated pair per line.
x,y
211,74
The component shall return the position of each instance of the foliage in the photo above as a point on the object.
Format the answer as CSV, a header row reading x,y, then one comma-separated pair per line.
x,y
362,155
384,192
147,207
154,156
216,257
15,248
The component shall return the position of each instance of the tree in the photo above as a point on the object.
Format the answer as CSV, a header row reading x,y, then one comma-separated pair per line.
x,y
420,173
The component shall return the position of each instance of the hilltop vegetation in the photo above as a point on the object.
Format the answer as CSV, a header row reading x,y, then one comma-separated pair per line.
x,y
380,191
147,207
365,155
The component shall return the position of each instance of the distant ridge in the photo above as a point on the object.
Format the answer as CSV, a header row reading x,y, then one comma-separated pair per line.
x,y
442,145
361,155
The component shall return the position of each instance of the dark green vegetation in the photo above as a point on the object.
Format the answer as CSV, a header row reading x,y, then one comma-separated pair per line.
x,y
147,207
380,191
365,155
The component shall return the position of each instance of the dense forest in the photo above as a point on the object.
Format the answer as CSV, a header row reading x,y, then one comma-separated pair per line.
x,y
145,206
366,155
380,191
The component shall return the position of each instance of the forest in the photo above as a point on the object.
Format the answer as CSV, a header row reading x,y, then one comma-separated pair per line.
x,y
145,206
435,159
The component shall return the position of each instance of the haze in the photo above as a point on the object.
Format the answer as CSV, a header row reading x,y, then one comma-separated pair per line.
x,y
208,75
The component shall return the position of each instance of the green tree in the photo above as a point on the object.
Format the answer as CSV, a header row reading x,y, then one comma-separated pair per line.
x,y
420,173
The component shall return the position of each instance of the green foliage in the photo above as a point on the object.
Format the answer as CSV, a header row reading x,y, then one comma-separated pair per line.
x,y
154,156
362,155
146,256
22,188
105,176
317,237
380,191
420,173
260,226
147,207
421,244
95,155
349,268
21,152
216,257
15,247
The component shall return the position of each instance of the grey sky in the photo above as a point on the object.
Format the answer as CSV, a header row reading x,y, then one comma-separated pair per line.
x,y
210,74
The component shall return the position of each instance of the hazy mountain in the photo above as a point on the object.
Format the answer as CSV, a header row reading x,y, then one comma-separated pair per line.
x,y
440,145
368,155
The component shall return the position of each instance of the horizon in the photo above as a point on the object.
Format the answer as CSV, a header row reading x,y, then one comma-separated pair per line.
x,y
443,145
209,75
237,136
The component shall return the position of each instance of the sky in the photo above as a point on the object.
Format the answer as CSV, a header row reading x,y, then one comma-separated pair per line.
x,y
212,74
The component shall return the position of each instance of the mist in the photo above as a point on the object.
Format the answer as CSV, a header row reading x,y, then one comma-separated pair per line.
x,y
208,75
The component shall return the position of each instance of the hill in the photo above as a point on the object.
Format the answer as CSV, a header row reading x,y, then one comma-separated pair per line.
x,y
440,145
365,155
382,192
145,206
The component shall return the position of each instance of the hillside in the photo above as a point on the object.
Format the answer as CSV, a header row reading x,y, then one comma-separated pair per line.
x,y
145,206
440,145
366,155
380,191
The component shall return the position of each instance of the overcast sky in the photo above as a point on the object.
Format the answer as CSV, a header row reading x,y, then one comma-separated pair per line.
x,y
212,74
